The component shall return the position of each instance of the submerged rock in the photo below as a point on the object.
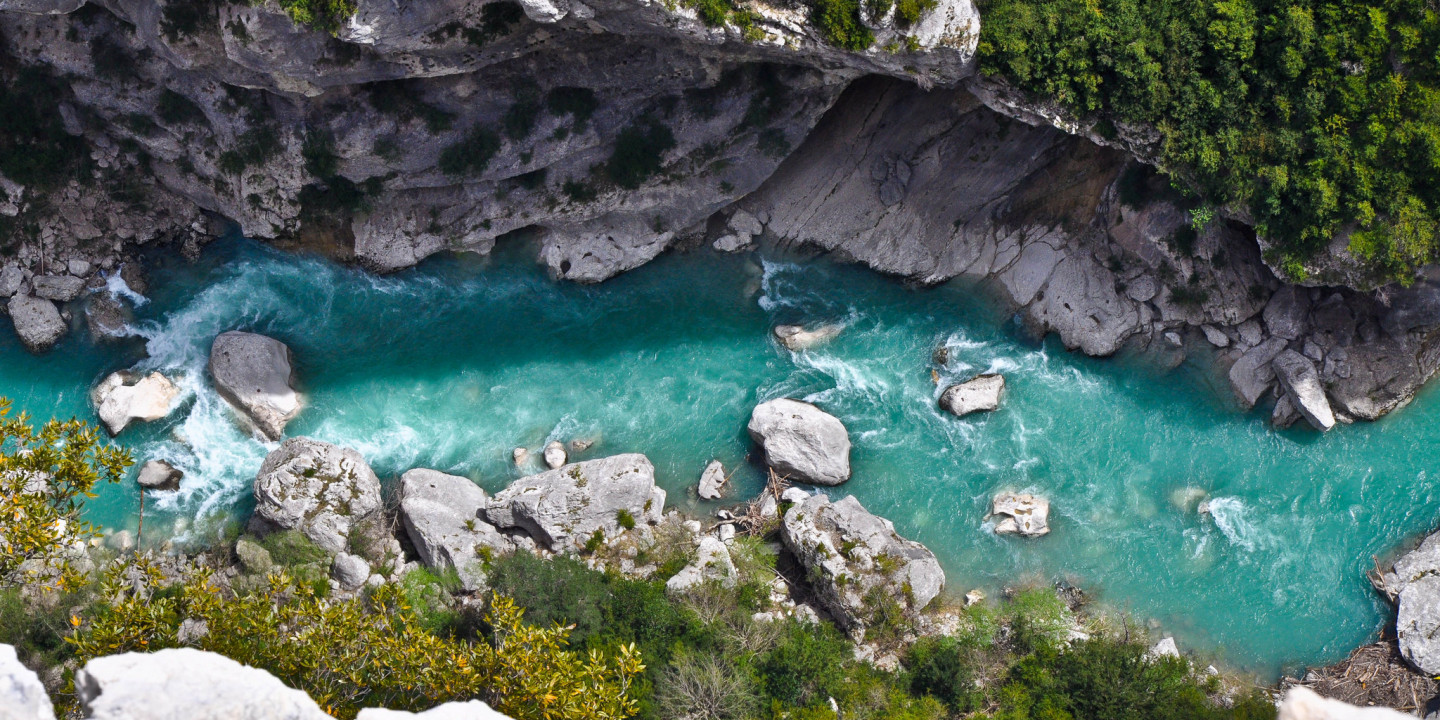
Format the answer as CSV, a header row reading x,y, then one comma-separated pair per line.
x,y
253,373
977,395
317,488
22,696
442,517
802,441
1297,374
1021,514
797,338
850,554
562,508
712,562
186,684
37,322
122,397
159,475
712,480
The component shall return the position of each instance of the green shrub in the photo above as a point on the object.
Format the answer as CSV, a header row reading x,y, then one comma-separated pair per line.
x,y
318,151
290,548
401,99
533,180
943,668
806,667
252,149
908,12
625,519
497,19
1039,619
326,15
519,119
471,155
186,18
557,591
577,102
840,25
579,191
639,152
175,109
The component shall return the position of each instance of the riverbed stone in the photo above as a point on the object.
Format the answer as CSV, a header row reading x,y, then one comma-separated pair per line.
x,y
22,696
562,508
159,475
1287,312
319,489
979,394
712,562
1297,374
60,288
848,552
106,317
797,338
1251,375
554,454
37,322
351,571
1020,514
254,374
125,396
186,684
712,480
11,277
802,441
442,515
1215,336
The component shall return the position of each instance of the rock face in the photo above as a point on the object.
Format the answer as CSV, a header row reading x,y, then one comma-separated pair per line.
x,y
37,322
159,475
562,508
802,441
122,397
1021,514
253,373
979,394
1301,381
850,554
442,516
22,697
186,684
712,562
316,488
797,338
712,480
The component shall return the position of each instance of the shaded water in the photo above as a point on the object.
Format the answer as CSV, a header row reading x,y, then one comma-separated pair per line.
x,y
453,364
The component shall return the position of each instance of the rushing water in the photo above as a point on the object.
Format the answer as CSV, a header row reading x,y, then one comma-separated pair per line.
x,y
452,365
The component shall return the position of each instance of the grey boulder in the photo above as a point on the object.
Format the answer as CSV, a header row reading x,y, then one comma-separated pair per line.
x,y
60,288
1413,584
351,571
317,488
159,475
802,441
1251,375
797,338
22,696
186,684
712,562
441,515
1297,374
562,508
712,480
1020,514
253,373
37,322
106,317
980,394
848,553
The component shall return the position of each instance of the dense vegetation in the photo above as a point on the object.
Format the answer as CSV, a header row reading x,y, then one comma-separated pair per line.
x,y
1317,117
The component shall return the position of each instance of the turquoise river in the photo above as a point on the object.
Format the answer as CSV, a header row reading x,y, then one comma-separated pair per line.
x,y
453,364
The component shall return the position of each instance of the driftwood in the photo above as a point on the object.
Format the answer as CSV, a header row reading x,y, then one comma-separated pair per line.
x,y
1373,675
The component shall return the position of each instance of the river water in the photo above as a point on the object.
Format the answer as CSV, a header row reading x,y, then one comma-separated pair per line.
x,y
454,364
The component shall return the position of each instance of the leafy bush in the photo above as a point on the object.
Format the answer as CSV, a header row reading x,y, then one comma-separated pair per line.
x,y
401,99
326,15
471,155
185,18
252,149
318,151
639,152
497,19
943,668
1316,117
579,191
839,23
579,103
35,149
806,667
908,12
174,108
519,119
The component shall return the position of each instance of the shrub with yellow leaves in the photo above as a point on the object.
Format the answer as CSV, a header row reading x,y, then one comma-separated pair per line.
x,y
45,478
364,652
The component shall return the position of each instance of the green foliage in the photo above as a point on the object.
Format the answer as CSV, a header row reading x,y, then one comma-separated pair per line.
x,y
839,22
625,519
253,148
1316,116
471,155
945,669
1038,619
579,191
46,476
318,151
401,100
497,19
35,149
325,15
175,109
908,12
36,630
290,549
577,102
806,666
186,18
639,152
519,120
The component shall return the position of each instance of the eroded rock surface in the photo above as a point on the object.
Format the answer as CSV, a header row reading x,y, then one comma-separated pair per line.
x,y
37,321
802,441
442,515
563,508
253,373
1413,584
22,696
319,489
186,684
978,394
124,397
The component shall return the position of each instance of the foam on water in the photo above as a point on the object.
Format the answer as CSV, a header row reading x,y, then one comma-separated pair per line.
x,y
452,365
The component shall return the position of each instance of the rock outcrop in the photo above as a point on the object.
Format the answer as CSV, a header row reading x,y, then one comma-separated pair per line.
x,y
856,560
159,475
37,321
122,397
563,508
712,562
1301,703
443,517
22,696
186,684
802,441
1413,583
1020,514
712,481
319,489
1297,375
979,394
253,373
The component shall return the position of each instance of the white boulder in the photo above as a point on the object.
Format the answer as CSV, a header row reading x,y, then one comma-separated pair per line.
x,y
37,322
253,373
1297,374
442,517
159,475
22,696
554,454
1020,514
712,480
316,488
797,338
1301,703
122,397
471,710
562,508
979,394
802,441
186,684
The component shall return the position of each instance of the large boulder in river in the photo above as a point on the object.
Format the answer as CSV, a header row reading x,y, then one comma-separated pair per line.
x,y
442,516
1297,374
22,697
979,394
317,488
562,508
854,558
253,373
159,475
1252,375
122,397
37,322
186,684
1020,514
797,338
1413,583
802,441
